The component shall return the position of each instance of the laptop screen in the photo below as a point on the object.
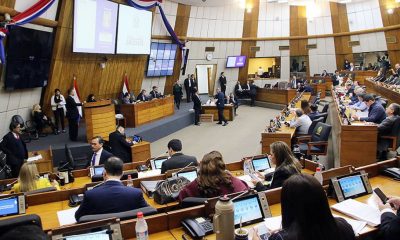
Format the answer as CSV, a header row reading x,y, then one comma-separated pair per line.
x,y
249,209
261,164
100,235
158,162
191,175
9,206
352,186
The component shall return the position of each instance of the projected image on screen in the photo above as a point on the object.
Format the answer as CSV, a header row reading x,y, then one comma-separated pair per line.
x,y
161,59
352,186
95,24
247,209
134,30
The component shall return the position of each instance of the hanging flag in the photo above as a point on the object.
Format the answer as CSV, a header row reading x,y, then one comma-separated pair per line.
x,y
76,95
125,86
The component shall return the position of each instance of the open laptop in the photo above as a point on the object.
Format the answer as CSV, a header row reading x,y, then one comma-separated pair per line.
x,y
190,175
251,209
157,162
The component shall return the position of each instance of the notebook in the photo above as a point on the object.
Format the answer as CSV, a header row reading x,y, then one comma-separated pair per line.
x,y
359,211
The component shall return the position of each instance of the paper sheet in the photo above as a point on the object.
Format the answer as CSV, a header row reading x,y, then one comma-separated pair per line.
x,y
34,158
273,223
247,179
355,224
66,217
359,211
149,173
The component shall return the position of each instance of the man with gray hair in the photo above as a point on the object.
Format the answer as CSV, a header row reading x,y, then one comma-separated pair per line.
x,y
301,122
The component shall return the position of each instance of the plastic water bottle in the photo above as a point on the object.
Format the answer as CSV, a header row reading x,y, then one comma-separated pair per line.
x,y
129,183
141,229
318,175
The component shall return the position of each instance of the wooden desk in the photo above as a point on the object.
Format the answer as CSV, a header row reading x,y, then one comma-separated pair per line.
x,y
100,119
279,96
389,94
355,144
319,87
229,112
145,112
140,151
46,163
328,81
360,75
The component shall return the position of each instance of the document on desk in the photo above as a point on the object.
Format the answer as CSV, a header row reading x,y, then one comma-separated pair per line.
x,y
247,179
362,114
66,217
359,211
355,224
273,223
34,158
149,173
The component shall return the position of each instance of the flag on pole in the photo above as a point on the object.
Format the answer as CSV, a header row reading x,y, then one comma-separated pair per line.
x,y
76,95
125,86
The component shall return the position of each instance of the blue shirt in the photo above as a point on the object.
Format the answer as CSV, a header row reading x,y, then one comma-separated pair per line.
x,y
376,113
360,105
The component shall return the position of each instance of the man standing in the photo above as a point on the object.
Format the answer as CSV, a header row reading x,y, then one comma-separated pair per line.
x,y
188,87
222,83
220,106
177,92
196,107
253,93
120,146
100,155
72,115
177,159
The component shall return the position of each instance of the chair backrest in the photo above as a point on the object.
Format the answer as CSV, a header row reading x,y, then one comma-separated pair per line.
x,y
121,215
314,123
323,115
321,132
41,190
396,130
325,109
31,219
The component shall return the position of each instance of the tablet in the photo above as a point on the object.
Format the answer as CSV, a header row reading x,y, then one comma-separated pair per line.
x,y
12,204
251,209
157,163
190,175
96,171
351,186
261,164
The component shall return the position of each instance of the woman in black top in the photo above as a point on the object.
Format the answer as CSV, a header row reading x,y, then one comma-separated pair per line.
x,y
286,166
41,120
306,214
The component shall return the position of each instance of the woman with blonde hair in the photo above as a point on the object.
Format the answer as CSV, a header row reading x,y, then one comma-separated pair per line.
x,y
29,179
285,163
41,120
213,179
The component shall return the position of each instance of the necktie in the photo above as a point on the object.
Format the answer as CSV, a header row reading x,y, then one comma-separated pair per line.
x,y
93,159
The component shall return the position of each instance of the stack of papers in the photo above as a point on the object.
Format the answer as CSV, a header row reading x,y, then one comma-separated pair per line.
x,y
67,217
359,211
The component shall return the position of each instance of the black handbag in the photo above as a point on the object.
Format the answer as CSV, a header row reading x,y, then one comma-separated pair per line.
x,y
168,190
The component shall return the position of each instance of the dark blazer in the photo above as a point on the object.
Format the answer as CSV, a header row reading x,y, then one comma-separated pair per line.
x,y
186,83
177,91
385,127
38,119
278,178
220,100
196,102
103,157
376,113
120,147
110,197
253,89
237,87
142,97
178,160
72,108
390,226
345,230
155,94
246,86
335,80
16,152
222,81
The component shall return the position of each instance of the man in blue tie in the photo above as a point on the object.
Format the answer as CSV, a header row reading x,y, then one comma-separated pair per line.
x,y
100,155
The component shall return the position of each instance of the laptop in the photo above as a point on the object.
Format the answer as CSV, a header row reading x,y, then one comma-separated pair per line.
x,y
189,175
12,204
251,209
157,163
260,163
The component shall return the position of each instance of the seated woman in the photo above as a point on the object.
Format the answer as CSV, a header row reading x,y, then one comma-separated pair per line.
x,y
41,120
28,179
306,213
233,100
285,163
213,179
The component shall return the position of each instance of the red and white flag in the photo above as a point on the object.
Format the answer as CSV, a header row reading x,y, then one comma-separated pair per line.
x,y
76,95
125,86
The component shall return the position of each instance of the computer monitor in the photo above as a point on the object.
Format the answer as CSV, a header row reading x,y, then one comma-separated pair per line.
x,y
190,175
69,163
261,163
157,162
12,204
251,209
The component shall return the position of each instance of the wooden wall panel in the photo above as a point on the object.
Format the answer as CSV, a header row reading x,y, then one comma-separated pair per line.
x,y
389,20
250,29
298,27
181,27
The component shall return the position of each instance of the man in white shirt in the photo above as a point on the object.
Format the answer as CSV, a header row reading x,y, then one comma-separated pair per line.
x,y
260,71
100,155
301,122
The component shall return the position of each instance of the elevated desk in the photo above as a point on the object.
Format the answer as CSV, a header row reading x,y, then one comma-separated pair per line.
x,y
328,81
360,75
144,112
229,112
389,94
99,118
140,151
279,96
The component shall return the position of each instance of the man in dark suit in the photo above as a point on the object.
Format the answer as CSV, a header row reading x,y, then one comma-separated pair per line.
x,y
222,83
253,93
386,128
154,93
100,155
238,90
336,78
14,148
389,228
120,146
177,159
111,196
246,89
295,82
188,87
376,112
196,107
220,106
73,115
142,96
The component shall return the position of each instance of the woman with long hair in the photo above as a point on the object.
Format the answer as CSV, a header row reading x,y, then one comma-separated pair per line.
x,y
213,179
285,163
29,179
41,120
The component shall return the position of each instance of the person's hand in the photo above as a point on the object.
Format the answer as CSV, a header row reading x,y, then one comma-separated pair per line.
x,y
355,117
254,234
395,201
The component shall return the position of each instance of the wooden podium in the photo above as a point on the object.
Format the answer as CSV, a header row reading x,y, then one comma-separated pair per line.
x,y
100,119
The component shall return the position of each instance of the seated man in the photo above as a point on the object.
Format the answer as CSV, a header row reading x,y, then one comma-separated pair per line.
x,y
376,112
313,112
177,159
154,93
238,90
395,74
100,155
336,79
142,96
385,128
112,196
360,104
246,89
120,146
301,122
357,91
350,91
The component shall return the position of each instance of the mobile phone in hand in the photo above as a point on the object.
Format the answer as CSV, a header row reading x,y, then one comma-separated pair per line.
x,y
382,196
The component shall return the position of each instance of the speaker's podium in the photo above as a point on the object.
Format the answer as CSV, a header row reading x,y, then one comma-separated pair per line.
x,y
99,118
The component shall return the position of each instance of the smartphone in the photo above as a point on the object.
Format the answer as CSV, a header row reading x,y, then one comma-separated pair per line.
x,y
382,196
263,232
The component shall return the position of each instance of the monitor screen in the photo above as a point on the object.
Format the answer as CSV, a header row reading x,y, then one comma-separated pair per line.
x,y
134,30
161,59
95,24
352,186
158,162
98,170
100,235
235,61
249,209
9,206
261,164
191,175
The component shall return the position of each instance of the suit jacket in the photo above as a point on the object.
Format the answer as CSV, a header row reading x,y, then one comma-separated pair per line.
x,y
385,127
196,102
177,91
246,86
186,83
335,80
120,147
155,94
376,113
178,160
110,197
278,178
142,97
220,100
222,81
103,157
72,108
390,226
237,87
253,89
15,149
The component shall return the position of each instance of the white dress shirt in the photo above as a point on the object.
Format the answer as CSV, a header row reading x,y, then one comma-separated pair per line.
x,y
302,124
97,158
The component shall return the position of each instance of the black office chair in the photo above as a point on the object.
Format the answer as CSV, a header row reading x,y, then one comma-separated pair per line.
x,y
311,128
323,115
391,141
325,108
147,211
317,143
31,220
